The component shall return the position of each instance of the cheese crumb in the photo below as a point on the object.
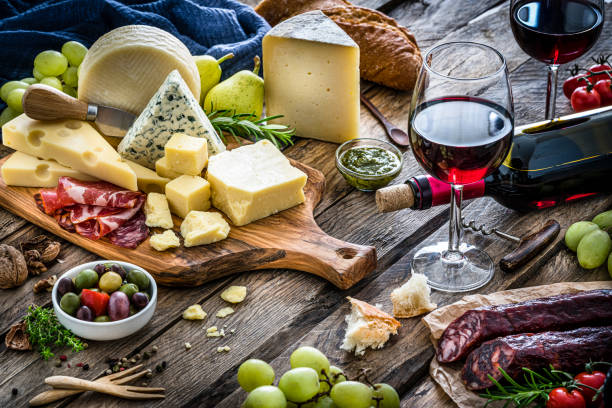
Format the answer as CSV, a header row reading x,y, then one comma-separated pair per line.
x,y
223,349
212,332
194,312
234,294
226,311
161,242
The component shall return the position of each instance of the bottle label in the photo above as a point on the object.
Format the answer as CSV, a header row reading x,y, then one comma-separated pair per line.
x,y
440,191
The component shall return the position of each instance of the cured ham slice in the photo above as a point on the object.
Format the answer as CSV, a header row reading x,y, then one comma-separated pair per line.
x,y
100,221
131,233
99,193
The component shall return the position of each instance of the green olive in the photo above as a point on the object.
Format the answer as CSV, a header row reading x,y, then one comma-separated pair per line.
x,y
604,220
70,303
129,289
110,282
87,278
576,231
102,319
138,278
133,310
594,248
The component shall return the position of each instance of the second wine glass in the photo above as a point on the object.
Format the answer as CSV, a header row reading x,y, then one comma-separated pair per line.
x,y
461,128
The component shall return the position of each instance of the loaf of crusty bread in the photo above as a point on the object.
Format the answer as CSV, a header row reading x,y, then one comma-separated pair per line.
x,y
389,54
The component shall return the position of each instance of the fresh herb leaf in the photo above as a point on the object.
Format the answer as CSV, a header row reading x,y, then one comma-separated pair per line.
x,y
45,331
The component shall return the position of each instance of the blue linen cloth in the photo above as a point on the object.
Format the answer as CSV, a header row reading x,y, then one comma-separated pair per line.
x,y
213,27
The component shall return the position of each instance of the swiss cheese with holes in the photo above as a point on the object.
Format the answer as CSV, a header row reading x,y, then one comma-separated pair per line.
x,y
72,143
28,171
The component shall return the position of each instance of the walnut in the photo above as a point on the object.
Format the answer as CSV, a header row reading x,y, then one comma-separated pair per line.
x,y
13,268
17,338
34,262
46,247
45,284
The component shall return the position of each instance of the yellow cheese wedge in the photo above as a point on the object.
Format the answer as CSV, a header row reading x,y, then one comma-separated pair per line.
x,y
28,171
75,144
125,67
254,181
201,228
311,67
157,211
148,180
188,193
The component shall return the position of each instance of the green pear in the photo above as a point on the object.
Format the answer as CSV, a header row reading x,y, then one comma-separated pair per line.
x,y
210,72
243,92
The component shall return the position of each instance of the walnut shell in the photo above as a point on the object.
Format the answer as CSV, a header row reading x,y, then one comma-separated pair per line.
x,y
13,268
48,248
17,338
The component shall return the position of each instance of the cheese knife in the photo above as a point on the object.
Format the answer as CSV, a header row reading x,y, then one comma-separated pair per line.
x,y
43,102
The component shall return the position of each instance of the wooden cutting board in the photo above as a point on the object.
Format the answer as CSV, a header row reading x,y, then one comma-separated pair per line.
x,y
290,239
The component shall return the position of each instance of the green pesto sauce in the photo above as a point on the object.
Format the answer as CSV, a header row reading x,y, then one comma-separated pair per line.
x,y
369,160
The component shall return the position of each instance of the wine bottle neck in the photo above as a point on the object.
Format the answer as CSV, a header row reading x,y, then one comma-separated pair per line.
x,y
430,192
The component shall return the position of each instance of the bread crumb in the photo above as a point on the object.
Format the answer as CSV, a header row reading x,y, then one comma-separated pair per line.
x,y
226,311
412,298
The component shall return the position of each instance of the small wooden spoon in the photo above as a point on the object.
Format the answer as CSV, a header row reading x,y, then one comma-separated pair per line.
x,y
397,135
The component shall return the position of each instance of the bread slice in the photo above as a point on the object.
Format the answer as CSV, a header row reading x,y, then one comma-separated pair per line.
x,y
412,298
367,326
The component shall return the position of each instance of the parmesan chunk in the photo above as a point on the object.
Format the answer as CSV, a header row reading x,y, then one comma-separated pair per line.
x,y
234,294
194,312
226,311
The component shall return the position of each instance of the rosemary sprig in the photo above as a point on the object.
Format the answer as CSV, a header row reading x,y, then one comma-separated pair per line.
x,y
243,125
45,331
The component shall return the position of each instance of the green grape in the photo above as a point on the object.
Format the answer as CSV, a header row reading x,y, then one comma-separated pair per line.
x,y
52,81
325,402
299,384
50,63
351,394
7,115
9,86
75,52
37,75
576,231
14,100
70,91
309,357
70,77
389,396
254,373
336,375
29,80
267,396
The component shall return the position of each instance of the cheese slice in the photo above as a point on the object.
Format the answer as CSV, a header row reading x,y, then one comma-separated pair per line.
x,y
172,109
28,171
254,181
72,143
148,180
311,67
126,66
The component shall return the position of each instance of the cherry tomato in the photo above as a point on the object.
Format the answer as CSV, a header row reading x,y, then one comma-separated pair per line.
x,y
596,380
562,398
585,98
604,88
601,64
572,82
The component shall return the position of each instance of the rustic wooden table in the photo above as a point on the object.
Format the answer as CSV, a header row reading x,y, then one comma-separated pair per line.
x,y
285,309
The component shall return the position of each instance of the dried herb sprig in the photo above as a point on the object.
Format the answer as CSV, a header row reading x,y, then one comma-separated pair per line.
x,y
243,125
45,331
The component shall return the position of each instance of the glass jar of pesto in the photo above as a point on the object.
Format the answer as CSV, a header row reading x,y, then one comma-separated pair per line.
x,y
368,164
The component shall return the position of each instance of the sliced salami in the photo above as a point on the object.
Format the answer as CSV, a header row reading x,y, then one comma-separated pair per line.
x,y
131,233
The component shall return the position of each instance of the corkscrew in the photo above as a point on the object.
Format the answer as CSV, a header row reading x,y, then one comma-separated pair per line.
x,y
528,246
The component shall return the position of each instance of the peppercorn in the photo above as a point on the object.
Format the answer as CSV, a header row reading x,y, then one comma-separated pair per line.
x,y
149,374
116,368
137,356
85,366
154,349
109,371
122,368
146,355
124,360
14,391
144,383
63,357
158,368
164,365
58,363
79,365
133,361
85,345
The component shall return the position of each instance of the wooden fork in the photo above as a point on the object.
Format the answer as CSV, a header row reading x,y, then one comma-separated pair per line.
x,y
118,378
122,391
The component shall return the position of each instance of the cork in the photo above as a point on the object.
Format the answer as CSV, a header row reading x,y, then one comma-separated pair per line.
x,y
393,198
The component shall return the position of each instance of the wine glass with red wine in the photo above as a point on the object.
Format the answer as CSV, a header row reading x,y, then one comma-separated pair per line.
x,y
556,32
461,127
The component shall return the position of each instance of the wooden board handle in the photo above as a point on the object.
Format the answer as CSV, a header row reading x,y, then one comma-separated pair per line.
x,y
530,246
43,102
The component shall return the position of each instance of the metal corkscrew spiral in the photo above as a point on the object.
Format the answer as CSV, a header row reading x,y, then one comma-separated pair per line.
x,y
484,231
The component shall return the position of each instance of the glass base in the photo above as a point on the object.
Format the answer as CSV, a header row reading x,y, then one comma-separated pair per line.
x,y
466,270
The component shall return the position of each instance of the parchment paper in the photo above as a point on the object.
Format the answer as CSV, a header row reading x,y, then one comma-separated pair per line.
x,y
448,376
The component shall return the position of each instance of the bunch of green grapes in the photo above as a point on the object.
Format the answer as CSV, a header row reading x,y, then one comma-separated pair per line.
x,y
310,383
57,69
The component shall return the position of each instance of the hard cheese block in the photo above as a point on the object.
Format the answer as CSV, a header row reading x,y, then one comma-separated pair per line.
x,y
188,193
73,143
311,69
186,154
201,228
125,67
157,211
164,241
28,171
171,110
148,180
162,167
254,181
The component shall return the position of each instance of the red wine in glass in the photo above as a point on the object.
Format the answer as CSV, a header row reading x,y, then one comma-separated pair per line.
x,y
556,32
461,139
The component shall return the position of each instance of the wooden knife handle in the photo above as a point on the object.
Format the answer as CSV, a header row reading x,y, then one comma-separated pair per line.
x,y
530,246
44,102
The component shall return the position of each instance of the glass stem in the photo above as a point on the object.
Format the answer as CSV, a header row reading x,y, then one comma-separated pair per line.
x,y
455,229
551,91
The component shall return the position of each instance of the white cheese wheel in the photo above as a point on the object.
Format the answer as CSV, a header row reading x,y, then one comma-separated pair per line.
x,y
126,66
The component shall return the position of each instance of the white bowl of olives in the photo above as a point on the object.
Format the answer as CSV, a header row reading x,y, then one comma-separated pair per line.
x,y
104,300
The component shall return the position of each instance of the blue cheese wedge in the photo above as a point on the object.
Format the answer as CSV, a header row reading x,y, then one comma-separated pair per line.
x,y
172,109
